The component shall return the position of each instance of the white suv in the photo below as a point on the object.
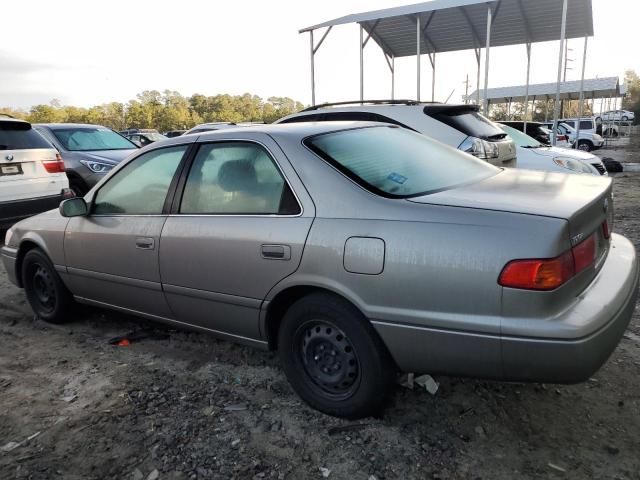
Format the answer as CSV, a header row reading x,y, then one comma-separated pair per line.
x,y
460,126
32,174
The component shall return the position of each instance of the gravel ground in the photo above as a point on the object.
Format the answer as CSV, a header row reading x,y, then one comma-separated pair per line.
x,y
190,406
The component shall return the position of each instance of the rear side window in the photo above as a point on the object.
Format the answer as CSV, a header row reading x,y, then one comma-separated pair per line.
x,y
236,178
586,125
20,136
469,122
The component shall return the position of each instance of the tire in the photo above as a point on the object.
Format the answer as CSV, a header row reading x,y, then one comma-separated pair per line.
x,y
625,118
585,146
321,333
78,188
49,298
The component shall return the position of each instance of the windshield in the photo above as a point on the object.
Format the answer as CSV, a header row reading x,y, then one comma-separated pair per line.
x,y
396,162
521,139
84,139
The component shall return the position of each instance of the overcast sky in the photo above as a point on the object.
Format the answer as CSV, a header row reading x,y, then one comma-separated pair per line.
x,y
86,53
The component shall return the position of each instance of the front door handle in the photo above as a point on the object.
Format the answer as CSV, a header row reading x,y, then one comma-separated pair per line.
x,y
145,243
276,252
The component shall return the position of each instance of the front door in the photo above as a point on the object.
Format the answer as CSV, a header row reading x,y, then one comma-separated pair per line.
x,y
112,254
237,231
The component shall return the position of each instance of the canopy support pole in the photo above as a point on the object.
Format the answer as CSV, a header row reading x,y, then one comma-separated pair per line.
x,y
478,76
486,59
546,109
361,63
313,76
313,50
418,31
432,58
556,106
580,107
526,88
393,76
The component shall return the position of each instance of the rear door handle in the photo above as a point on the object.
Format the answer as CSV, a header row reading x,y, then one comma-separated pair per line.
x,y
276,252
145,243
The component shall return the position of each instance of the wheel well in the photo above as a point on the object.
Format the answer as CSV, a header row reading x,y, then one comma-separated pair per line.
x,y
22,251
584,140
281,303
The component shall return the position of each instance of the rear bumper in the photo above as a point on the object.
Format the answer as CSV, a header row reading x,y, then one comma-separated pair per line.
x,y
15,210
568,349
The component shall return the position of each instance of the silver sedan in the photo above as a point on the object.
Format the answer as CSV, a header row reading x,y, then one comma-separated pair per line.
x,y
356,250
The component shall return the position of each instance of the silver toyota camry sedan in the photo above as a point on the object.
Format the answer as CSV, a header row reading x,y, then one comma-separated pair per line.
x,y
356,250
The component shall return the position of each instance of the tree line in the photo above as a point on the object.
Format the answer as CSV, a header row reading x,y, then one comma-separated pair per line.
x,y
167,110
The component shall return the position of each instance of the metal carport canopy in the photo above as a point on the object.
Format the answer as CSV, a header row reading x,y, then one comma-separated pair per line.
x,y
592,88
452,25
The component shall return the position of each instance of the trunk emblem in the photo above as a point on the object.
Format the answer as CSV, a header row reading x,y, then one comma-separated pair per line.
x,y
576,239
9,157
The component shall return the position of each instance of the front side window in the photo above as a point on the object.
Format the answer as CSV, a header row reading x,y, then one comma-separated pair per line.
x,y
140,188
236,178
85,139
396,162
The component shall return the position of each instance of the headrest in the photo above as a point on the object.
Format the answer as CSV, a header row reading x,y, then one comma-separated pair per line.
x,y
237,176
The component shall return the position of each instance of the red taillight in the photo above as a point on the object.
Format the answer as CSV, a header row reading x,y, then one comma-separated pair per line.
x,y
547,274
606,233
54,166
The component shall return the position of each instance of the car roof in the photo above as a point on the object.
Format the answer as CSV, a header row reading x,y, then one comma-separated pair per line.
x,y
55,126
297,129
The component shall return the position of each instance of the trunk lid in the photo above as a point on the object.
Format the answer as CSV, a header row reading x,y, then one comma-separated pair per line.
x,y
583,200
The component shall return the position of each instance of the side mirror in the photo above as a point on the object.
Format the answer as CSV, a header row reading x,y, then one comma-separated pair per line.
x,y
74,207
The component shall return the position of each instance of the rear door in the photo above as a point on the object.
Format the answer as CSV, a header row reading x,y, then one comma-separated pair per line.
x,y
23,156
238,227
112,254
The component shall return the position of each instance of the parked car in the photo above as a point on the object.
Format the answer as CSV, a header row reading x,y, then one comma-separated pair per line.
x,y
562,141
89,151
143,139
533,155
174,133
460,126
354,249
536,130
588,140
32,177
616,116
210,127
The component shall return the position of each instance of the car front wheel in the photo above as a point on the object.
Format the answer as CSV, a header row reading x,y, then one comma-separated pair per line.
x,y
48,296
585,146
333,357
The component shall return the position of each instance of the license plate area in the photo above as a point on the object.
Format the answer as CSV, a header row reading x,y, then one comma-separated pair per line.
x,y
13,169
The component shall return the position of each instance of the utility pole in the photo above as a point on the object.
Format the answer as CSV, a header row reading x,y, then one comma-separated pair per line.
x,y
466,90
564,75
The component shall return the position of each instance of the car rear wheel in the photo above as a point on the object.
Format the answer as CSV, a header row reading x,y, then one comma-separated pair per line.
x,y
49,298
625,119
333,358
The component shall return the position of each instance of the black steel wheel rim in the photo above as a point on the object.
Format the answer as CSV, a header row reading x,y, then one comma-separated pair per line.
x,y
329,358
43,287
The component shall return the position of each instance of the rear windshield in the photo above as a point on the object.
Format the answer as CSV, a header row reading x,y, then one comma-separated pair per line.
x,y
20,136
83,139
396,162
521,139
469,122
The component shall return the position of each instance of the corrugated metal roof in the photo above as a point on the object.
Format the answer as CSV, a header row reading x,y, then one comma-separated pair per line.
x,y
451,25
593,88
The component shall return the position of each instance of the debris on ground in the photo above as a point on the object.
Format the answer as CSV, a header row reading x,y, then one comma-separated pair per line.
x,y
428,383
138,335
325,472
556,467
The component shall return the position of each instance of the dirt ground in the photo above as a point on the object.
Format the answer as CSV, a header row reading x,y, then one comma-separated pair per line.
x,y
191,406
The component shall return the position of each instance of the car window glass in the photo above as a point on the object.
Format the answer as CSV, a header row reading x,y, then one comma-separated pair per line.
x,y
140,188
236,178
83,139
20,135
396,162
467,121
586,125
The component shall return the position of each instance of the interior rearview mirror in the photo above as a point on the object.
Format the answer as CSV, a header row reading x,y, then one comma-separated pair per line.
x,y
74,207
